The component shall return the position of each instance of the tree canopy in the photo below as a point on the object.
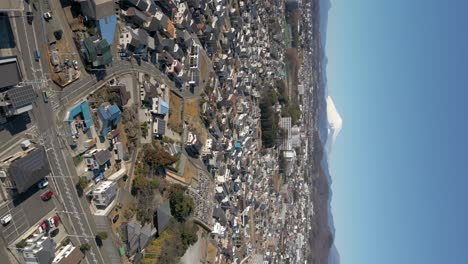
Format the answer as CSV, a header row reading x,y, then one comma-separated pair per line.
x,y
181,204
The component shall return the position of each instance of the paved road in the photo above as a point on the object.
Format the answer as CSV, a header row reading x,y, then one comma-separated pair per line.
x,y
25,215
63,170
84,86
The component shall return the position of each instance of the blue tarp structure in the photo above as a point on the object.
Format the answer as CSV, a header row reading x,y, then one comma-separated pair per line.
x,y
107,27
81,108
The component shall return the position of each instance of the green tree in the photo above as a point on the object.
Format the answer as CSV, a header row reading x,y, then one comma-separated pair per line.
x,y
154,184
102,235
188,234
81,185
140,184
181,204
85,247
158,157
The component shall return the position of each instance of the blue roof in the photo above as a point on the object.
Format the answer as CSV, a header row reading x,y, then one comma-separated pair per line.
x,y
108,26
164,107
238,145
103,113
81,108
114,111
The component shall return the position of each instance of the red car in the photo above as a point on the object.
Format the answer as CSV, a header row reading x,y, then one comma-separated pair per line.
x,y
46,196
56,221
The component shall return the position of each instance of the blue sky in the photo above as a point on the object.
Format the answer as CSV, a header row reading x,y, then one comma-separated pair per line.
x,y
398,74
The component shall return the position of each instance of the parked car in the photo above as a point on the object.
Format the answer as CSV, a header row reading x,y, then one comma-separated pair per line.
x,y
56,221
115,219
47,15
6,219
37,55
42,227
30,17
46,196
75,64
54,232
51,222
43,183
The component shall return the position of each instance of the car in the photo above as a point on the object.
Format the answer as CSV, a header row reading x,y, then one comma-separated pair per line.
x,y
42,227
115,219
56,220
51,222
6,219
37,55
75,64
47,15
46,196
45,96
43,183
30,17
54,232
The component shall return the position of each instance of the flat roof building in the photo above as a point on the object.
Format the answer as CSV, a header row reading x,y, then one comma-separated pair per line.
x,y
9,72
68,254
104,193
40,249
26,168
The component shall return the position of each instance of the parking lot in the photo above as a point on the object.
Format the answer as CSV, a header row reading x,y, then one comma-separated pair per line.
x,y
25,214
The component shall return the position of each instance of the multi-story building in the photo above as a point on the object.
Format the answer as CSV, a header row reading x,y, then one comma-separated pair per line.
x,y
104,193
39,250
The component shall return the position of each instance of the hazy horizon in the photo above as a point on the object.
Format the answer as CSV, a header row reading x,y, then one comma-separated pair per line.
x,y
396,72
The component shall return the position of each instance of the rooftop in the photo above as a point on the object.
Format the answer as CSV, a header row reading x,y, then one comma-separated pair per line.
x,y
30,169
9,71
107,26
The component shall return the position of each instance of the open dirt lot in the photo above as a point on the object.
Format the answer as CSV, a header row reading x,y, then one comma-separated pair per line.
x,y
175,113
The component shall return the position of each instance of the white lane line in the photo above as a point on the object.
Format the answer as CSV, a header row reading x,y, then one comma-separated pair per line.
x,y
84,216
27,43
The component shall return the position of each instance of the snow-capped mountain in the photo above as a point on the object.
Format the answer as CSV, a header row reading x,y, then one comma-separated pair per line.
x,y
335,123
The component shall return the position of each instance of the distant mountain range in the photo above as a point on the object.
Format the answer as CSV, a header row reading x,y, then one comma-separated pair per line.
x,y
330,120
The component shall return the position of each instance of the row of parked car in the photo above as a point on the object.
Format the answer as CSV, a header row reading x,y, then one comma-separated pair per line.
x,y
6,219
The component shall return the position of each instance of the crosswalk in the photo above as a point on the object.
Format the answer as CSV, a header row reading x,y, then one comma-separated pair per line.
x,y
54,100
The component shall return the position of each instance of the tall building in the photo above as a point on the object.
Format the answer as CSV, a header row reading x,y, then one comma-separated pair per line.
x,y
15,97
39,250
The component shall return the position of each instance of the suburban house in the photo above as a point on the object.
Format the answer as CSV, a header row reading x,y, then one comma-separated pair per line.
x,y
159,106
110,117
97,159
104,193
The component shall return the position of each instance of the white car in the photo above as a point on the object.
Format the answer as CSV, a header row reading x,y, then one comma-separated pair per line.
x,y
51,222
6,219
47,15
75,64
43,183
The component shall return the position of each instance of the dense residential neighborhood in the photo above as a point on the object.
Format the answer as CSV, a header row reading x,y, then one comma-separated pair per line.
x,y
160,131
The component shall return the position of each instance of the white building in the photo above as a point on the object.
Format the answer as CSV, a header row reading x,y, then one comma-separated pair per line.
x,y
39,250
68,254
104,193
